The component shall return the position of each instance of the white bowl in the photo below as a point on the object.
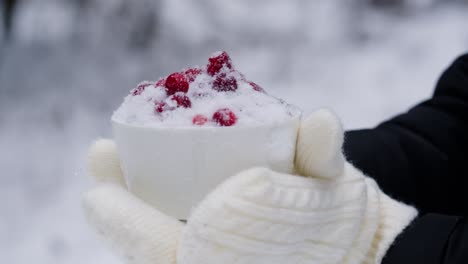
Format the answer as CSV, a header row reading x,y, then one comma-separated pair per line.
x,y
174,168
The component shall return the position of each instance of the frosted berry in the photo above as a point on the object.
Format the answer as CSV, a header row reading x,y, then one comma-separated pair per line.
x,y
199,120
225,117
223,83
256,87
161,107
182,100
176,82
140,88
192,74
217,61
161,83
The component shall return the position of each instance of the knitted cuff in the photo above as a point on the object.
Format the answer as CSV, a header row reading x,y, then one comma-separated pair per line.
x,y
394,218
361,246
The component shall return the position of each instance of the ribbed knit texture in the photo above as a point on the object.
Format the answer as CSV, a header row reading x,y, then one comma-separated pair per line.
x,y
394,218
261,216
361,246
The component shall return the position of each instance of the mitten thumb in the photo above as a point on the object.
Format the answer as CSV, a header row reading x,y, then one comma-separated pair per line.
x,y
318,151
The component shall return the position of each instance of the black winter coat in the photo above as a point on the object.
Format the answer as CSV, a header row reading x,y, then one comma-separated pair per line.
x,y
421,158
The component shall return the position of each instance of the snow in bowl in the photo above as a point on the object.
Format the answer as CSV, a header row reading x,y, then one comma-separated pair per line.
x,y
180,136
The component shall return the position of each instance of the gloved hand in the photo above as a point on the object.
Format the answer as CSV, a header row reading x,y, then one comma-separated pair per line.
x,y
333,215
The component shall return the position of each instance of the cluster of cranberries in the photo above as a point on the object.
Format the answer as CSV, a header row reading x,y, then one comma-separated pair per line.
x,y
177,85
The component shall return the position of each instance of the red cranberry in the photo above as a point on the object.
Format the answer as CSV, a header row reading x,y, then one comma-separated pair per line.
x,y
222,83
161,82
225,117
217,61
182,100
161,107
256,87
140,88
192,73
199,120
176,82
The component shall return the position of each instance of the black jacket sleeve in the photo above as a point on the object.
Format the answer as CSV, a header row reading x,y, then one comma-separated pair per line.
x,y
420,158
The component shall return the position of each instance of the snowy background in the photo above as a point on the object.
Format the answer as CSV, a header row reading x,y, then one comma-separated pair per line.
x,y
66,64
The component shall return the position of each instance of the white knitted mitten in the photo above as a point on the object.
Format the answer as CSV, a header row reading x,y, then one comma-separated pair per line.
x,y
335,215
135,230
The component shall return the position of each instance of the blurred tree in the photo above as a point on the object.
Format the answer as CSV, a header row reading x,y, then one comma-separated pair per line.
x,y
8,10
132,24
404,5
143,29
387,3
410,4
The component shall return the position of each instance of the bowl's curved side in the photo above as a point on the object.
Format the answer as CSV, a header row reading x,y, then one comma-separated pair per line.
x,y
174,168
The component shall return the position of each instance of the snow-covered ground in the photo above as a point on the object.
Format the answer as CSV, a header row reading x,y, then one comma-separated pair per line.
x,y
67,70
